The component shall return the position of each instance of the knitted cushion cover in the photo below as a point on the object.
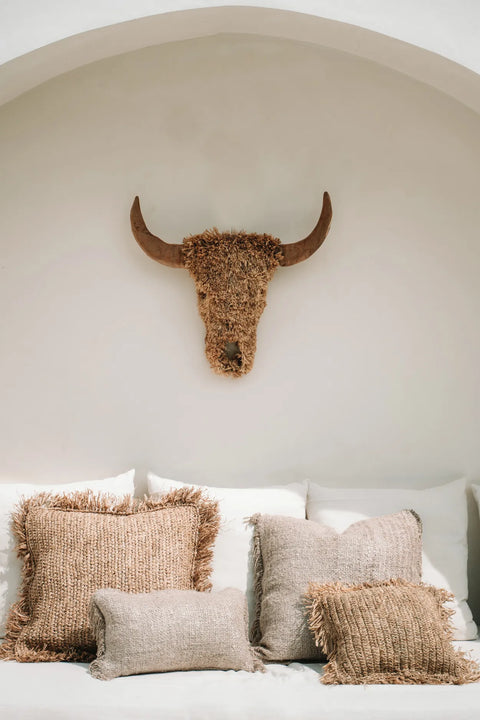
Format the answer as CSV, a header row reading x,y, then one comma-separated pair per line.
x,y
386,632
290,553
170,630
73,545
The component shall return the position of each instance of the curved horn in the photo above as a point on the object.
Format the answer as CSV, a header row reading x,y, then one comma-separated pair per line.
x,y
165,253
294,253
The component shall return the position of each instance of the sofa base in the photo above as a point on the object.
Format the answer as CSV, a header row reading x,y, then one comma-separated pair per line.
x,y
66,691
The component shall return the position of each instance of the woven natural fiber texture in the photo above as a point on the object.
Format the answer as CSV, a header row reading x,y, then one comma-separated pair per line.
x,y
73,545
290,553
387,632
170,630
231,273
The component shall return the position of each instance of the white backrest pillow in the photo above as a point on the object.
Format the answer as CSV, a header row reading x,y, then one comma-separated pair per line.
x,y
233,560
10,494
443,511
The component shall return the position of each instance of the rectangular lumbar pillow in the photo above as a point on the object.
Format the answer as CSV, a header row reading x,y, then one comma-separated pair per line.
x,y
387,632
443,511
290,553
74,545
10,495
170,630
232,561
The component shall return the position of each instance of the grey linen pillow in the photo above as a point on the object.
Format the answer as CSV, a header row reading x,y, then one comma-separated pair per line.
x,y
290,553
170,630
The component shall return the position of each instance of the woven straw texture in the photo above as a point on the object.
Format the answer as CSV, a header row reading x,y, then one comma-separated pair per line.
x,y
73,545
170,630
290,553
231,273
391,632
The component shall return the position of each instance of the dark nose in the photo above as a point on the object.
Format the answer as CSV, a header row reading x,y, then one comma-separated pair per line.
x,y
232,351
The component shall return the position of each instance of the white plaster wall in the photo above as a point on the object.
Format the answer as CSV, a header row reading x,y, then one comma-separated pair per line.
x,y
367,368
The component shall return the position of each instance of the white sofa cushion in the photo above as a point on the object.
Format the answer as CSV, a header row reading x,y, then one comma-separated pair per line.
x,y
10,494
233,560
66,691
443,511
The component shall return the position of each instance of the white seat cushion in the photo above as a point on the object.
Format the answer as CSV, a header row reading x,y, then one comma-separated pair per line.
x,y
232,561
443,511
10,494
66,691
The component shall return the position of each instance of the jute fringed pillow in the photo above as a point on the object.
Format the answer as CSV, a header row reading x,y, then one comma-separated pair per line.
x,y
10,496
170,630
291,553
387,632
73,545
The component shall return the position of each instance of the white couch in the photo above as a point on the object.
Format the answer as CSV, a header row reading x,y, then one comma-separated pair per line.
x,y
66,691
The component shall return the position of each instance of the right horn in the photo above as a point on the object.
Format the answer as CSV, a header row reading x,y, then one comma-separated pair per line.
x,y
294,253
165,253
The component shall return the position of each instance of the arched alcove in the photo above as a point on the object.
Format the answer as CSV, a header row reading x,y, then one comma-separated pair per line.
x,y
367,363
301,21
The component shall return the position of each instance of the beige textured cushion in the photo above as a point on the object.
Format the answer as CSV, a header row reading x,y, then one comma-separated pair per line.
x,y
73,545
170,630
291,553
389,632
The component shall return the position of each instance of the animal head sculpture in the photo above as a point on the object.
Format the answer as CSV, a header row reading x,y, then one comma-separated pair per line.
x,y
231,273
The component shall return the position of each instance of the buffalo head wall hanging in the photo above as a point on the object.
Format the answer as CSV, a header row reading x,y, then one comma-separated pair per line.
x,y
231,273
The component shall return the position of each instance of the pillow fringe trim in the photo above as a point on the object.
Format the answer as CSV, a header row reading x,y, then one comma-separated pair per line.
x,y
97,622
255,629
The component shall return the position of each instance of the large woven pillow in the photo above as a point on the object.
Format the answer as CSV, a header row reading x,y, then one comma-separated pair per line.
x,y
74,545
387,632
10,495
291,553
170,630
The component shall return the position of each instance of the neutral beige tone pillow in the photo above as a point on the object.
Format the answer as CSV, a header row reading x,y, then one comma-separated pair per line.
x,y
10,496
387,632
73,545
170,630
291,553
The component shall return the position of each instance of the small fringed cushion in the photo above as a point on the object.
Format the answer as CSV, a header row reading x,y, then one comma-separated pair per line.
x,y
73,545
392,632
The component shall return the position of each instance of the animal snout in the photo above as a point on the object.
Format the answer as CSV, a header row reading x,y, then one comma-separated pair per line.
x,y
232,351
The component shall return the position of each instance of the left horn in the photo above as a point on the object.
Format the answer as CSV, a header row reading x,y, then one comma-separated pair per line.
x,y
294,253
165,253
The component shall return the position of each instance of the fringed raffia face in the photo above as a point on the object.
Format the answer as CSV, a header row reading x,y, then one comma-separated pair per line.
x,y
231,273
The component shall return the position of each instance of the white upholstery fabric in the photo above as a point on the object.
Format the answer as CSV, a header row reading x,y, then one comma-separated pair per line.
x,y
10,494
232,562
443,511
66,691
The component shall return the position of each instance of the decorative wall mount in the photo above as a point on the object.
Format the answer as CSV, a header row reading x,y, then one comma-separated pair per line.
x,y
231,273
